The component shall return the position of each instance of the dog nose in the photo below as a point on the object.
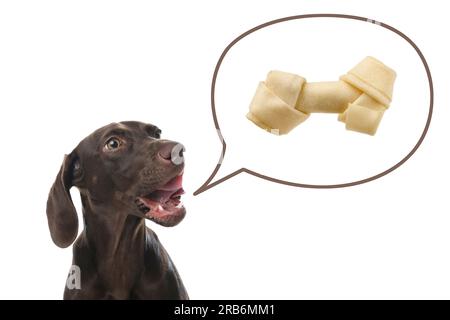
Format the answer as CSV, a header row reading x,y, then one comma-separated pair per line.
x,y
173,152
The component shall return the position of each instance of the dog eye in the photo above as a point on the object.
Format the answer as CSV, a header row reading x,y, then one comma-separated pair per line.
x,y
113,144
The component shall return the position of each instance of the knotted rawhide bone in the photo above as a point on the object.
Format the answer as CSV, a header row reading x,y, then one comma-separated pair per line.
x,y
360,98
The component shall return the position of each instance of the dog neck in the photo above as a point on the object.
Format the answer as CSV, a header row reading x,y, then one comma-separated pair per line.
x,y
120,248
115,236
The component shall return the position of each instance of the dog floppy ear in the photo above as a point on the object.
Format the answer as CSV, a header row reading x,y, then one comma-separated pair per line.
x,y
61,213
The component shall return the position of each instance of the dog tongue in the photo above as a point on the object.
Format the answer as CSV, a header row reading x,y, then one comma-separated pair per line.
x,y
161,200
160,196
173,185
163,194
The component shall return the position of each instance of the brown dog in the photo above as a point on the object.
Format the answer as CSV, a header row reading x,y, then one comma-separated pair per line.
x,y
125,173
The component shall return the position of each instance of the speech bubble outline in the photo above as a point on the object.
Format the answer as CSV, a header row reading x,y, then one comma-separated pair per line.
x,y
207,185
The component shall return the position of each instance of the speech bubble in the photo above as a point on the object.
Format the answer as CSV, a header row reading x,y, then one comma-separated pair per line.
x,y
208,184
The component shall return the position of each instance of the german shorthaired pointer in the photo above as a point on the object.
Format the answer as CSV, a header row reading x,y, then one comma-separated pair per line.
x,y
125,174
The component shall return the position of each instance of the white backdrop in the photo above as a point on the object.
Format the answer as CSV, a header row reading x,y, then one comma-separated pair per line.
x,y
68,68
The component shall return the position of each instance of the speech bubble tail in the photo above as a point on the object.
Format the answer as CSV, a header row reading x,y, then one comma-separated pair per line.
x,y
208,184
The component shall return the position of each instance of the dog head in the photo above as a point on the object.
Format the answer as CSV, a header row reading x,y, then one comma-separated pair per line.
x,y
122,168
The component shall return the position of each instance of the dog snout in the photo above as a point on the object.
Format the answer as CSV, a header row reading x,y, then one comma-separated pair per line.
x,y
172,152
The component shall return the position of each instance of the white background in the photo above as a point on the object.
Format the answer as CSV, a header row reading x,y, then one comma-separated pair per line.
x,y
67,68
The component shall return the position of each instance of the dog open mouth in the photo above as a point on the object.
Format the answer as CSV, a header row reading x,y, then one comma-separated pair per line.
x,y
163,205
